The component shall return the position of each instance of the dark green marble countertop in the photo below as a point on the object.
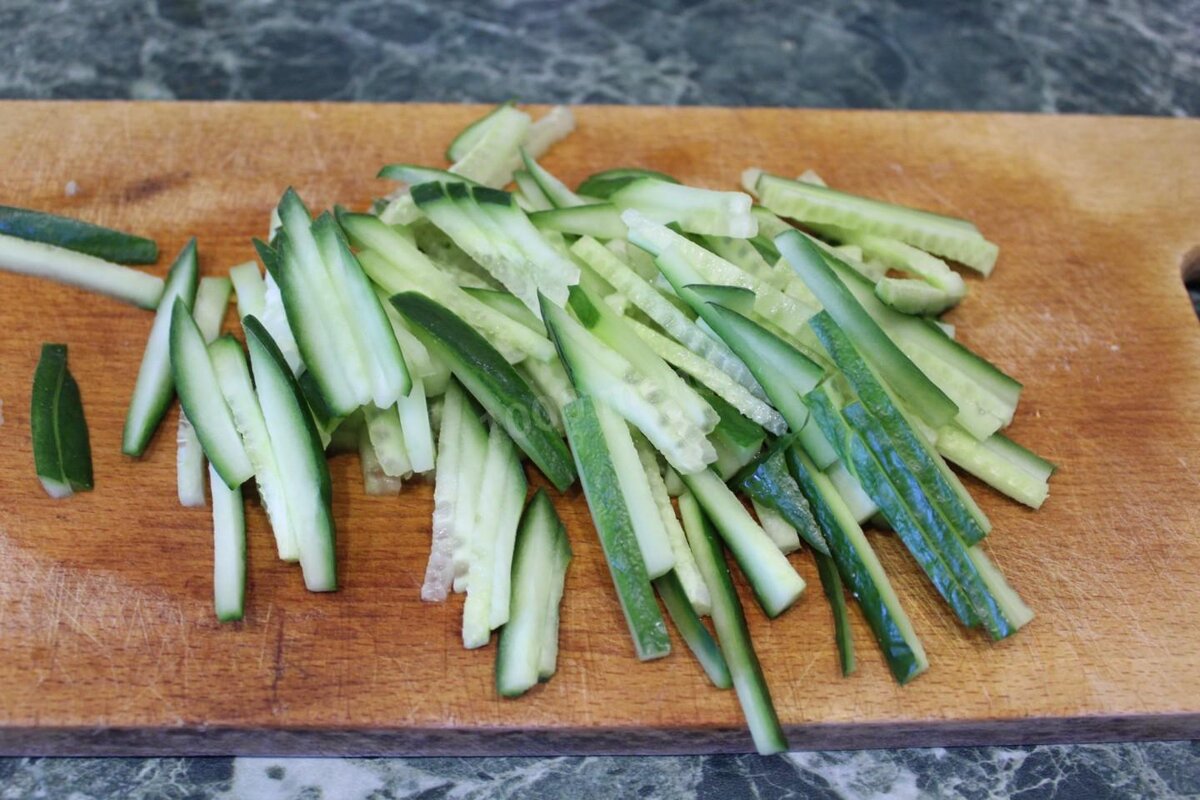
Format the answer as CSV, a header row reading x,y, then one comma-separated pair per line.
x,y
1061,56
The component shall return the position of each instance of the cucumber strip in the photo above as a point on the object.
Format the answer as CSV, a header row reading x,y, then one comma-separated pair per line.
x,y
400,209
62,453
980,412
552,385
1019,456
386,371
533,192
701,211
831,584
415,175
507,515
229,549
233,381
548,130
422,365
602,489
555,190
743,254
77,269
510,306
852,252
473,444
1010,603
376,481
898,255
548,660
732,633
599,371
153,390
323,417
491,160
702,644
493,381
852,493
439,572
775,582
496,477
602,221
250,288
387,440
413,409
709,376
537,554
770,303
470,135
603,184
653,304
945,236
992,467
194,379
212,300
781,532
911,296
770,488
396,266
274,316
911,450
77,235
299,456
932,404
685,572
860,569
448,256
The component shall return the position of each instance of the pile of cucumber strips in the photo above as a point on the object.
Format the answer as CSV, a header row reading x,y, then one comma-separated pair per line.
x,y
724,373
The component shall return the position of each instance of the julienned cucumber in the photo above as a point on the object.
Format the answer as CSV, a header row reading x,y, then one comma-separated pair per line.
x,y
212,300
77,269
73,234
62,454
153,390
229,549
602,184
703,646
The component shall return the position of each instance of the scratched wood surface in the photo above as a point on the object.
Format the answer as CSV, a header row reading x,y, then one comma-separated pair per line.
x,y
107,640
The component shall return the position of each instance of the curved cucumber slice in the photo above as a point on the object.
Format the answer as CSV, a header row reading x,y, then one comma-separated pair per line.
x,y
77,269
212,299
62,453
153,389
77,235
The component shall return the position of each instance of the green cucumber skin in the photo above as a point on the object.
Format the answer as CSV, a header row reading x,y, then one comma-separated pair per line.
x,y
154,379
492,381
732,425
831,584
601,185
702,644
607,505
767,480
897,652
61,448
469,135
77,235
910,451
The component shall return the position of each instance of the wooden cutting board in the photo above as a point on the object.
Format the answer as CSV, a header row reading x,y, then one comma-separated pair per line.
x,y
107,639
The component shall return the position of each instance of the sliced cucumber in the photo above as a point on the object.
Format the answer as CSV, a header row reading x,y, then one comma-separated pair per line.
x,y
532,191
467,526
77,269
548,661
996,464
491,159
510,306
732,633
555,190
505,509
229,549
602,488
415,175
62,453
851,491
779,529
831,584
233,380
945,236
898,255
541,542
274,315
603,184
497,386
439,572
775,582
376,482
211,302
703,646
194,379
470,135
770,487
77,235
387,440
601,220
413,409
251,289
548,130
496,473
153,390
299,456
702,211
912,296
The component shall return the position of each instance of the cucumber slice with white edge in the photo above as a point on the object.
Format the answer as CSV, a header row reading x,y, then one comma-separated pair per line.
x,y
233,380
493,381
212,300
555,190
62,454
439,571
702,644
299,455
413,409
250,288
603,184
153,390
702,211
229,550
602,488
376,482
537,558
77,235
491,159
468,526
532,191
387,438
732,633
195,380
470,135
1004,465
43,260
600,220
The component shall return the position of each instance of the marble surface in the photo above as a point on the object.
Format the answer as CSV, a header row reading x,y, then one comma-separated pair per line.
x,y
1119,56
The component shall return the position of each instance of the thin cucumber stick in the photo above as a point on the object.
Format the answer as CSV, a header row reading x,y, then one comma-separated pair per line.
x,y
703,646
153,389
212,299
615,529
376,482
831,584
77,235
250,288
548,661
62,454
775,582
732,633
991,467
229,550
77,269
387,438
439,571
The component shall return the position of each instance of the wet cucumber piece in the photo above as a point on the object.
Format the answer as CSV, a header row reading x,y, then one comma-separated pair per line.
x,y
62,453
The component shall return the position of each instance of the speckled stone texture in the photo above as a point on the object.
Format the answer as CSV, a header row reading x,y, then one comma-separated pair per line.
x,y
1116,56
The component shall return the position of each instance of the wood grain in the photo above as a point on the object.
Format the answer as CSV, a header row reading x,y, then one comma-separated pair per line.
x,y
107,639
